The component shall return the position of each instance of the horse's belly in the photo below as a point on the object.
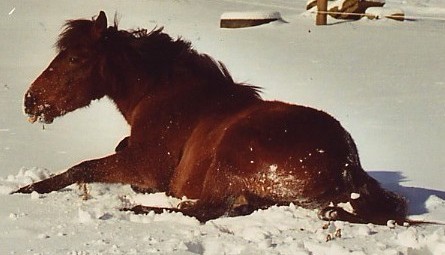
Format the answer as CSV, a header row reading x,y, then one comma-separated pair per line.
x,y
293,155
300,186
276,183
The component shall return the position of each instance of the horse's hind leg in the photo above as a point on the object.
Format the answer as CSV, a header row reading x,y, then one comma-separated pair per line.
x,y
201,210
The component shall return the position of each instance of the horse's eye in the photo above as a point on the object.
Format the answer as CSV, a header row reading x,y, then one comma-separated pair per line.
x,y
73,60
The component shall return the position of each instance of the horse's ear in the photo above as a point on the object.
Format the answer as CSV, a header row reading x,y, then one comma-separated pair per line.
x,y
100,25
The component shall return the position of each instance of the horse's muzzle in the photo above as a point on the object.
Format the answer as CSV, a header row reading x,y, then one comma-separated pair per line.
x,y
30,101
36,111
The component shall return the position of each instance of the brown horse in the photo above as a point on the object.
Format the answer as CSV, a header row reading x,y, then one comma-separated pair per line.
x,y
197,133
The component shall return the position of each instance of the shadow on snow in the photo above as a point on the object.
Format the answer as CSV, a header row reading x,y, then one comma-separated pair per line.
x,y
416,196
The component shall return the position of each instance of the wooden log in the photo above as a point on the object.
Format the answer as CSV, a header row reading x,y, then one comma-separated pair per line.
x,y
322,16
247,19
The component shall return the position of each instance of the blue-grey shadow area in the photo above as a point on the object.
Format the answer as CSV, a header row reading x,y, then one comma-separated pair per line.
x,y
416,196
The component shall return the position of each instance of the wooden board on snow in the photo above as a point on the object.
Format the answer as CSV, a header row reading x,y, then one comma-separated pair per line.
x,y
247,19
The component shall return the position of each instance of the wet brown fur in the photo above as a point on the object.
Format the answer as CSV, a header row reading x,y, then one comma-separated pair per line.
x,y
197,133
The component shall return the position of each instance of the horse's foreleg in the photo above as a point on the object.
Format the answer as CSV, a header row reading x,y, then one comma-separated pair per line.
x,y
53,183
122,144
123,167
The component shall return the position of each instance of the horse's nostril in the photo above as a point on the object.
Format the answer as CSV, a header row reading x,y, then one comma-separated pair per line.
x,y
30,100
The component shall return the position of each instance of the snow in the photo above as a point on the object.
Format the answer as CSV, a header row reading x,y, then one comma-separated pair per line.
x,y
355,195
382,79
382,12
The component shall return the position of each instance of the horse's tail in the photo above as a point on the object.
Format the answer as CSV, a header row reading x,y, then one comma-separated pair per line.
x,y
370,202
377,205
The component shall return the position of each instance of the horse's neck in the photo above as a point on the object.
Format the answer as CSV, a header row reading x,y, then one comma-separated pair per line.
x,y
127,100
135,92
179,91
124,108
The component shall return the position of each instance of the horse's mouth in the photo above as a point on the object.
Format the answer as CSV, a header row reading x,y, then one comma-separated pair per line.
x,y
32,118
41,114
40,118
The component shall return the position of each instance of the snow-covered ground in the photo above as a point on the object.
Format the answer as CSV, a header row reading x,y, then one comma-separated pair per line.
x,y
383,80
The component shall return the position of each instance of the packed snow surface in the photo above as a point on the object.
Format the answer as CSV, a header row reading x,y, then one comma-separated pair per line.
x,y
382,79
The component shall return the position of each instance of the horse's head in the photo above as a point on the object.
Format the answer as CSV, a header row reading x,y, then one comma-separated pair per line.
x,y
71,79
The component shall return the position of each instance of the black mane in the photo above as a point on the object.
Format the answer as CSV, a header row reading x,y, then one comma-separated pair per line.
x,y
152,51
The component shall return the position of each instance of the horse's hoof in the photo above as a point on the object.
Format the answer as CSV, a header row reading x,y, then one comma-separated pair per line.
x,y
328,213
184,205
25,190
138,209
